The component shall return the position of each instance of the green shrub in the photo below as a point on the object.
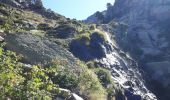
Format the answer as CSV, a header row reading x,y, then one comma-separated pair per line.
x,y
84,39
85,82
66,80
101,34
43,27
106,80
104,76
90,84
92,64
19,82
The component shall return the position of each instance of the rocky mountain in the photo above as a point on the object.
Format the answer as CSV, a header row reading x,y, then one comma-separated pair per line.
x,y
123,54
141,28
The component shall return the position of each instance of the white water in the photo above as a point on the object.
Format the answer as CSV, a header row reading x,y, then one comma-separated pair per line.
x,y
125,72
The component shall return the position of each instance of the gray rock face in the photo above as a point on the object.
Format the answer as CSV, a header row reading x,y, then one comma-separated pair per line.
x,y
160,72
146,32
93,18
37,50
135,9
141,27
142,18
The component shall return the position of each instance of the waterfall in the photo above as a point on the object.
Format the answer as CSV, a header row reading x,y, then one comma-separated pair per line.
x,y
125,72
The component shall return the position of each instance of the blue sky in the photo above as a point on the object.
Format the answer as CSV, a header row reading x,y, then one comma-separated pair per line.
x,y
79,9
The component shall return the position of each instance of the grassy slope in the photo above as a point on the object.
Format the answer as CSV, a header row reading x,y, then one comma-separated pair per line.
x,y
44,81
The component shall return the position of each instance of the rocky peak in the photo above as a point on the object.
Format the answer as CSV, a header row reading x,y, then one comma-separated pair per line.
x,y
143,9
131,10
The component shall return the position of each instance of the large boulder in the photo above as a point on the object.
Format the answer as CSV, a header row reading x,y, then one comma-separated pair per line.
x,y
86,49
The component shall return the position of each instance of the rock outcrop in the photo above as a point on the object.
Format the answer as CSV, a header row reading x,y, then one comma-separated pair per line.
x,y
94,48
36,50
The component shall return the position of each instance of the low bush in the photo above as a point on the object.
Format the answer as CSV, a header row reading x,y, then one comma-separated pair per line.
x,y
84,38
19,82
91,64
104,76
101,34
44,27
85,82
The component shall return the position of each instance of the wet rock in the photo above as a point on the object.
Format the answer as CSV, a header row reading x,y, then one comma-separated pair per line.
x,y
131,96
126,73
144,34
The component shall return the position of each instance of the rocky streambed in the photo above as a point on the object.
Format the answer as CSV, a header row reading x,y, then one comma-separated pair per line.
x,y
125,73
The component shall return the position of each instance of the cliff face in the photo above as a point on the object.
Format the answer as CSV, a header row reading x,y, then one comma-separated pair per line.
x,y
141,27
132,10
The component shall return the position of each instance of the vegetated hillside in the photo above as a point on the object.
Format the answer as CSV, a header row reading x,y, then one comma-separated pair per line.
x,y
43,66
143,31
